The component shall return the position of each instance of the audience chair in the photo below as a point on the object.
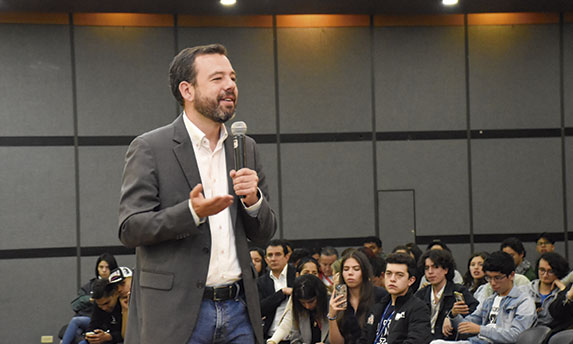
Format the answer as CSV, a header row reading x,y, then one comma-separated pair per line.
x,y
534,335
563,337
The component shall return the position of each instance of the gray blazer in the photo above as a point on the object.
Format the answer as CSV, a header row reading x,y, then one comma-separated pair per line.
x,y
172,253
303,334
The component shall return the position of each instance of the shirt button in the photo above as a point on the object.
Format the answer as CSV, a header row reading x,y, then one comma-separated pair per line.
x,y
200,284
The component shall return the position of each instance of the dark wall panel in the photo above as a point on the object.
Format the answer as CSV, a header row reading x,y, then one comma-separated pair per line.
x,y
437,171
517,186
122,86
514,76
420,78
38,207
323,197
35,295
324,80
568,73
397,218
35,80
251,53
101,169
268,154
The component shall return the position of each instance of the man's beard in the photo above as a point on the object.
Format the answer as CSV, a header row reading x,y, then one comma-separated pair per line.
x,y
210,108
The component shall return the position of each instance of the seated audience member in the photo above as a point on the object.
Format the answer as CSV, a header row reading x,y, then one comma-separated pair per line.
x,y
439,295
315,253
503,316
275,286
561,309
106,320
550,267
82,304
514,248
373,243
475,277
544,243
328,255
378,269
400,317
347,314
297,255
307,266
437,244
122,278
258,259
416,254
415,250
309,309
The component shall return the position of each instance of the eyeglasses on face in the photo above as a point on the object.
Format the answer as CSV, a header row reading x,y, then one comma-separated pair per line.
x,y
497,278
543,243
542,271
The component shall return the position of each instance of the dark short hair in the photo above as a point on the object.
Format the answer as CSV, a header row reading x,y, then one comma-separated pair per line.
x,y
547,236
401,248
102,288
440,258
515,244
439,243
298,254
329,251
378,266
278,242
499,261
373,239
305,260
415,250
558,264
402,258
182,67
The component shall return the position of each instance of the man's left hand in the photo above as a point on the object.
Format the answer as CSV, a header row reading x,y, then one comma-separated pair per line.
x,y
99,337
245,183
468,327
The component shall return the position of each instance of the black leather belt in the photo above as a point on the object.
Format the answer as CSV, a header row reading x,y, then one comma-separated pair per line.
x,y
223,293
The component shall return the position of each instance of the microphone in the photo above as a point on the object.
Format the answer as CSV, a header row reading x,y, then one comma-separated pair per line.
x,y
239,130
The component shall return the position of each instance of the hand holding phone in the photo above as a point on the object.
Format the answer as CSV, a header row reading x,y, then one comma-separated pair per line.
x,y
341,289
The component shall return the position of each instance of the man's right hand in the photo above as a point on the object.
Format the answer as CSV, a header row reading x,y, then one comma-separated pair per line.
x,y
208,206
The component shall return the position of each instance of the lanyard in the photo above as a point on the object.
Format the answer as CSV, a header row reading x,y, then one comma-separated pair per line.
x,y
384,324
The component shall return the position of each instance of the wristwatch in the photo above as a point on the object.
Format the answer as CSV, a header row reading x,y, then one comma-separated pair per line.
x,y
331,318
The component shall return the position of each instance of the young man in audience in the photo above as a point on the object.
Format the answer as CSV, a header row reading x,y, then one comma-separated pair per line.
x,y
122,278
501,317
514,247
544,243
374,244
328,255
438,244
440,294
106,320
275,286
400,317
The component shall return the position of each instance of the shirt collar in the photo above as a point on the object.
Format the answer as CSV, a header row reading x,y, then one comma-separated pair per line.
x,y
197,136
283,273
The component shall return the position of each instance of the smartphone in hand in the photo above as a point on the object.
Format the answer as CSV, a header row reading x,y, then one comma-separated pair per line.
x,y
342,289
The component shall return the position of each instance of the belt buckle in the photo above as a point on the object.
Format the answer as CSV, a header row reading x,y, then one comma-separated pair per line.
x,y
216,296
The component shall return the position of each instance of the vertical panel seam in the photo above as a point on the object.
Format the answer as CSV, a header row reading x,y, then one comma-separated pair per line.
x,y
374,143
563,147
176,48
468,131
76,148
278,126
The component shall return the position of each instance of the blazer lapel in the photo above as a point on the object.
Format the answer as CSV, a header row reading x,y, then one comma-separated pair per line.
x,y
230,161
184,152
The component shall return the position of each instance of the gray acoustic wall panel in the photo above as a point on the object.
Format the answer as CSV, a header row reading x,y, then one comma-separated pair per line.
x,y
251,53
569,182
268,154
122,86
514,76
437,171
327,190
35,295
517,186
396,218
35,80
568,73
38,207
101,169
324,80
420,78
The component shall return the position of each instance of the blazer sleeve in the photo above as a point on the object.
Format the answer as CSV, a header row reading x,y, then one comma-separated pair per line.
x,y
419,326
143,220
269,298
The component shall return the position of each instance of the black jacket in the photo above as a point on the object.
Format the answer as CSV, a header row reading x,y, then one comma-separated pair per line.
x,y
110,322
271,299
562,311
446,304
410,323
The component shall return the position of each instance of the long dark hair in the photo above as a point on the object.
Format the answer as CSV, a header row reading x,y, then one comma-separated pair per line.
x,y
107,257
366,288
469,282
264,263
307,287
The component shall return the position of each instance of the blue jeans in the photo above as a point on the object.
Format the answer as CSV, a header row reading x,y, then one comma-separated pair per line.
x,y
223,322
76,326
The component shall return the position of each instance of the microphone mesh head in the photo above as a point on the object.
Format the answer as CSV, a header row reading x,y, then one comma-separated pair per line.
x,y
239,128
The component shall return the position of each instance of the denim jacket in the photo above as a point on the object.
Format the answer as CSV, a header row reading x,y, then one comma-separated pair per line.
x,y
516,314
543,316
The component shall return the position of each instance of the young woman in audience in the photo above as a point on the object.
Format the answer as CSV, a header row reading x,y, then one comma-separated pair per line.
x,y
309,308
347,315
82,304
258,259
475,277
550,268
